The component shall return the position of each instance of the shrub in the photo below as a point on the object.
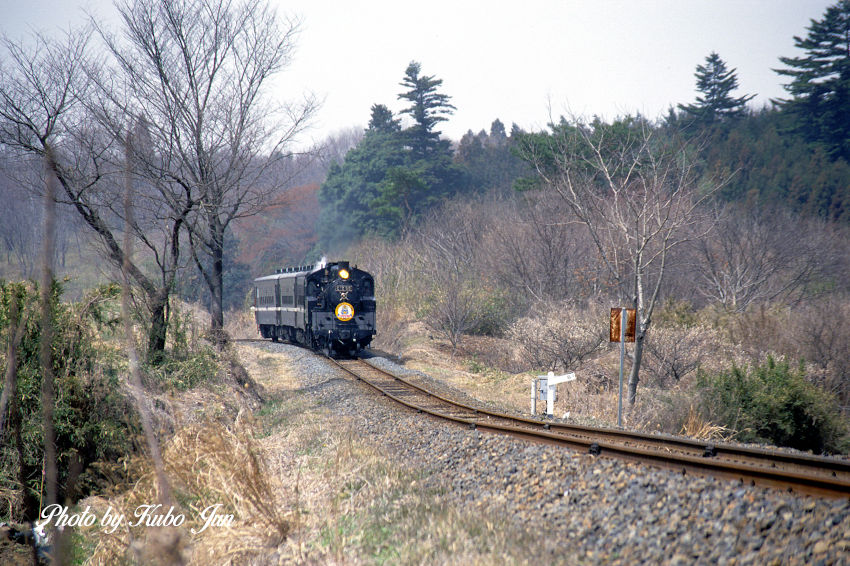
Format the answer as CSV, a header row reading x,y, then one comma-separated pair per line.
x,y
819,332
672,354
91,415
676,314
559,335
185,371
774,403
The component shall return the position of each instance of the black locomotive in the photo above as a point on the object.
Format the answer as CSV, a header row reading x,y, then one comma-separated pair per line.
x,y
328,307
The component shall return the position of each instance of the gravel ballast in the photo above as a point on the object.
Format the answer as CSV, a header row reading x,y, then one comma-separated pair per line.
x,y
581,508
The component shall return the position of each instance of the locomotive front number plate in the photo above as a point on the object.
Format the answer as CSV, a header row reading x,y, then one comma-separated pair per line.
x,y
343,291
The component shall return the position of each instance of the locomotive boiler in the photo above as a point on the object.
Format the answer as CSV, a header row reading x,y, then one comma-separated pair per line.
x,y
329,307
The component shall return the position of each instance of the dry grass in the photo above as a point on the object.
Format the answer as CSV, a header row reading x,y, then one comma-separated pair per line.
x,y
591,399
239,325
208,464
697,427
211,457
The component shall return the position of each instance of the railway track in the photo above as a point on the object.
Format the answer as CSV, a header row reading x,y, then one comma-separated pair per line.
x,y
815,475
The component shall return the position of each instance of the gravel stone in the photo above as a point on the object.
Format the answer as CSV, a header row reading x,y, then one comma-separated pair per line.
x,y
592,509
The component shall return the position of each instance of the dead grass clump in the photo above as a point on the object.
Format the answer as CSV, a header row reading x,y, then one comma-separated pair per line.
x,y
392,327
214,469
586,403
494,352
697,427
662,410
240,324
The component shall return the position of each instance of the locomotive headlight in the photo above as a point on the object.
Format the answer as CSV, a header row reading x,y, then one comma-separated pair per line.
x,y
343,274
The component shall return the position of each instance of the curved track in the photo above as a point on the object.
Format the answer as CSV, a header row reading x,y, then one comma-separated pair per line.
x,y
802,473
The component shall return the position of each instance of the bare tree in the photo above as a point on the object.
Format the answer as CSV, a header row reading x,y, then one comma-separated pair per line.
x,y
674,353
757,256
537,255
20,239
41,112
637,196
196,71
558,334
446,247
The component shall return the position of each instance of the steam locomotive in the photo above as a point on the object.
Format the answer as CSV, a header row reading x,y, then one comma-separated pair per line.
x,y
328,307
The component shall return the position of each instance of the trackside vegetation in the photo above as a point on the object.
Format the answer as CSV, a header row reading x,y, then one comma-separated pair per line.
x,y
773,402
92,416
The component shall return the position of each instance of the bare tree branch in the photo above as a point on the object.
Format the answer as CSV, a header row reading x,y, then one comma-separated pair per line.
x,y
196,71
41,112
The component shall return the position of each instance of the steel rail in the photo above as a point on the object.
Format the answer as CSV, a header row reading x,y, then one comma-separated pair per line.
x,y
816,475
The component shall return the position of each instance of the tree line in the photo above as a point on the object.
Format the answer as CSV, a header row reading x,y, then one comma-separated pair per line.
x,y
794,151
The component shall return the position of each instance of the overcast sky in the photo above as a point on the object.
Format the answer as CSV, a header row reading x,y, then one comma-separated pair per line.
x,y
500,60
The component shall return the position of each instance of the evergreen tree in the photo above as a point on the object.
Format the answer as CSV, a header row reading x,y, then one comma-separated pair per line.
x,y
820,82
382,120
393,176
767,165
716,83
489,160
498,135
348,194
427,108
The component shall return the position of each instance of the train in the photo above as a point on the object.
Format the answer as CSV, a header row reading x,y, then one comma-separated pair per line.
x,y
327,307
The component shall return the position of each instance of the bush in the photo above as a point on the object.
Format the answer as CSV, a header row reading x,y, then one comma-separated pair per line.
x,y
185,371
773,403
673,354
559,335
91,414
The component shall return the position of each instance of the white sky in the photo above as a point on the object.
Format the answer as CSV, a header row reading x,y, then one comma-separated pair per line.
x,y
510,60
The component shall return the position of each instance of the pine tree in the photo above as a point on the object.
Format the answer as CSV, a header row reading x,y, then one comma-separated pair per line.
x,y
393,176
382,120
820,82
716,83
427,108
498,135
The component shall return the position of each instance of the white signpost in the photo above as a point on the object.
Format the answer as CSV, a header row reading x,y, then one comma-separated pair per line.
x,y
544,387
